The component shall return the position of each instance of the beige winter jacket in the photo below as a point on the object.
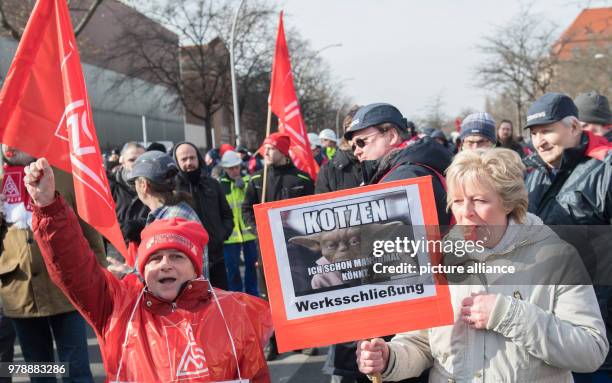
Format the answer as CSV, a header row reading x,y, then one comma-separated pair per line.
x,y
25,287
536,332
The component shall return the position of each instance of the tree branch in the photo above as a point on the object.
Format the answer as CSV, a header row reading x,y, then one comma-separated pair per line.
x,y
88,16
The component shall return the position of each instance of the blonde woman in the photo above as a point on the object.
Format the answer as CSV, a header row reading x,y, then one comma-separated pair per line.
x,y
517,327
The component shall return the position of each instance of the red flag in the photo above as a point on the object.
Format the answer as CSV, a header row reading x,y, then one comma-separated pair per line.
x,y
458,124
44,111
284,104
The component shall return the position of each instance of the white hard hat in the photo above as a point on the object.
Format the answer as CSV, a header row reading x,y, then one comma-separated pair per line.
x,y
328,134
314,140
230,159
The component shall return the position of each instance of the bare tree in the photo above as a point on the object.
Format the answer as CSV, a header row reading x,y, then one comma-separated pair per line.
x,y
319,93
14,14
201,84
520,62
183,54
435,116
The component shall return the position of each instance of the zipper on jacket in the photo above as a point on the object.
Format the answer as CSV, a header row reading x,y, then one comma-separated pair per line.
x,y
173,306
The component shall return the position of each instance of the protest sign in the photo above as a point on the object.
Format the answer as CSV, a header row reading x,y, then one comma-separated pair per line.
x,y
324,277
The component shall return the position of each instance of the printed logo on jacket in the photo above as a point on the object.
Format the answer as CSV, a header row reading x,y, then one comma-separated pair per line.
x,y
186,356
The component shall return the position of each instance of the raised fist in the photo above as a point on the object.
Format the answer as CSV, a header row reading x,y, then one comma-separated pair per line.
x,y
40,182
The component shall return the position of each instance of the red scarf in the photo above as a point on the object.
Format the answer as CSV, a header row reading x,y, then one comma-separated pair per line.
x,y
13,187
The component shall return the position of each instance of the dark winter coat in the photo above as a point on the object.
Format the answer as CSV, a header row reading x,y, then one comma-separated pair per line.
x,y
131,212
210,204
342,172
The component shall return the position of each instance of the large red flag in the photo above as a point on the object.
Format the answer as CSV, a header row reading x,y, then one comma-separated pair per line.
x,y
284,104
44,111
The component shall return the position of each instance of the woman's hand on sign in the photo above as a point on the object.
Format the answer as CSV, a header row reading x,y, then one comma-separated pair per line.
x,y
372,356
40,182
477,308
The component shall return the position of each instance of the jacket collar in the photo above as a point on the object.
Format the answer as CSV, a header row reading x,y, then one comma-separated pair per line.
x,y
195,293
598,147
120,179
375,170
282,168
423,152
572,156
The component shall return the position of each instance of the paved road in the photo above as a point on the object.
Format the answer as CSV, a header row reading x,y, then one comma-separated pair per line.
x,y
287,368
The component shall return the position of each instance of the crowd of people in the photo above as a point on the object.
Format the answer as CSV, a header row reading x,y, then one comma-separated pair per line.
x,y
191,286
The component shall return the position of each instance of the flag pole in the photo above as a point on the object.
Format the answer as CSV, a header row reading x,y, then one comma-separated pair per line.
x,y
376,378
265,172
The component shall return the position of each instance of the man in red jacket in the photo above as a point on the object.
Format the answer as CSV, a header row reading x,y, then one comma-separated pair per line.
x,y
176,327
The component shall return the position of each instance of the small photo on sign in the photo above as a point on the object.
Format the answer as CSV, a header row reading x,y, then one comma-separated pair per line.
x,y
335,262
329,245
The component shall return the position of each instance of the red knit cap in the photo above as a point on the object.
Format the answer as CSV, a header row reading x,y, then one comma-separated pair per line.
x,y
280,141
189,237
224,148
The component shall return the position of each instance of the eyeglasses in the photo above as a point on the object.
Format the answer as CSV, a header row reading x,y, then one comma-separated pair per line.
x,y
361,142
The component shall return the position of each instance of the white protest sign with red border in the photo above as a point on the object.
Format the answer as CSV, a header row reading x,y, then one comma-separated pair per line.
x,y
318,260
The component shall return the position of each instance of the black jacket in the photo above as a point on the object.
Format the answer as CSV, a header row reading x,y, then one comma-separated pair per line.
x,y
417,160
283,182
210,204
342,172
122,193
577,200
131,212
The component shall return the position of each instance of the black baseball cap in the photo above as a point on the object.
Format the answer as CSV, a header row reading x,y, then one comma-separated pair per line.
x,y
593,108
155,166
550,108
375,114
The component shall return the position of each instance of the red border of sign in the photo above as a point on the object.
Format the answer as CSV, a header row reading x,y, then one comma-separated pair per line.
x,y
360,323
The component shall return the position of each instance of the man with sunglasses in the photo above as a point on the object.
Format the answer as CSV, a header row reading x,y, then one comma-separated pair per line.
x,y
386,145
383,144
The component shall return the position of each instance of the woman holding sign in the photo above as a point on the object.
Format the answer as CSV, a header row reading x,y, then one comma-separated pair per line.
x,y
535,325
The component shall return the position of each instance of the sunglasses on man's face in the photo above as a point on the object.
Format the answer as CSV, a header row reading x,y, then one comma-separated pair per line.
x,y
361,142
